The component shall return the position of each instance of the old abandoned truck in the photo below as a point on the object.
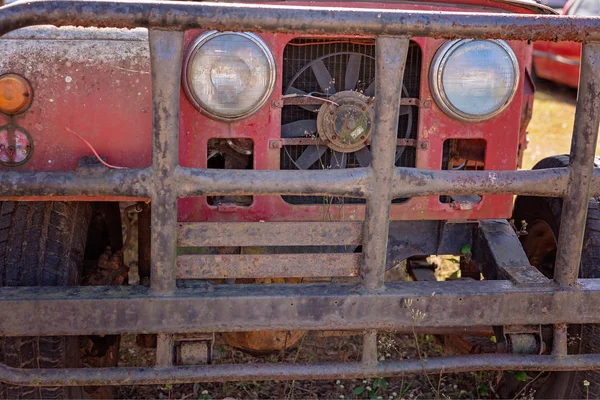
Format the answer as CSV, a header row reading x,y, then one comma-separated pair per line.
x,y
281,158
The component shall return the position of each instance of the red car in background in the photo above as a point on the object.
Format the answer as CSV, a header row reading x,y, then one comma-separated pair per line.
x,y
559,61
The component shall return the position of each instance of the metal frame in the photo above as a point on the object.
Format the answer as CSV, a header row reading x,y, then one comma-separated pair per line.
x,y
166,309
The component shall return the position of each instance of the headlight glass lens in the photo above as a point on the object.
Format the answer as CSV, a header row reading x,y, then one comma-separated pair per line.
x,y
229,75
474,80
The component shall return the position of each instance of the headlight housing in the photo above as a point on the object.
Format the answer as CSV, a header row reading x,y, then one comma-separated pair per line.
x,y
474,80
229,75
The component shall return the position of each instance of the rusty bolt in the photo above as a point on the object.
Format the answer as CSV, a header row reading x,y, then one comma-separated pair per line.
x,y
277,103
364,108
275,144
362,137
24,152
334,137
424,145
426,104
332,112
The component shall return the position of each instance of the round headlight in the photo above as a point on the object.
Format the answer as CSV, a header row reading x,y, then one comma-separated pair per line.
x,y
474,80
229,75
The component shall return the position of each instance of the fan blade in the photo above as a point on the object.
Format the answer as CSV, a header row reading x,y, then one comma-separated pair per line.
x,y
310,156
364,157
298,129
308,107
405,110
370,91
338,160
293,90
323,77
352,71
399,152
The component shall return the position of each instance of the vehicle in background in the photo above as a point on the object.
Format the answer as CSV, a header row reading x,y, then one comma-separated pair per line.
x,y
559,61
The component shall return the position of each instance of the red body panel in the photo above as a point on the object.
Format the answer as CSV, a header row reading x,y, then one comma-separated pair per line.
x,y
107,100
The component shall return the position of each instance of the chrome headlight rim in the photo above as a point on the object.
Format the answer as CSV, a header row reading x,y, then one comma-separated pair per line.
x,y
189,58
437,87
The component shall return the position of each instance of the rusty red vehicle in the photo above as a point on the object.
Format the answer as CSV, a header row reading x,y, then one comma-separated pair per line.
x,y
559,61
280,158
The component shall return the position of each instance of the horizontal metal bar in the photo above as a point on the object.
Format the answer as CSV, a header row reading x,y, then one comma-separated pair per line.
x,y
351,182
113,310
243,234
287,19
102,182
283,371
341,182
218,266
356,182
410,182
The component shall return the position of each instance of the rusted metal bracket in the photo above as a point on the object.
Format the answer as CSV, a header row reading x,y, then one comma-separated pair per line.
x,y
499,254
304,101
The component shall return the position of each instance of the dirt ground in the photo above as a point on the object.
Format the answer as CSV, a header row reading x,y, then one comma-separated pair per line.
x,y
549,133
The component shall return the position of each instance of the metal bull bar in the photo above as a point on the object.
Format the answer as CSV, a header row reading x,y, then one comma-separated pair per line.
x,y
166,309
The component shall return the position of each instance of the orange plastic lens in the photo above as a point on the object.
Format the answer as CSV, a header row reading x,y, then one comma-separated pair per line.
x,y
15,94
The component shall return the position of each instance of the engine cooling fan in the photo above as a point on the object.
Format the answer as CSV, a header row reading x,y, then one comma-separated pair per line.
x,y
343,124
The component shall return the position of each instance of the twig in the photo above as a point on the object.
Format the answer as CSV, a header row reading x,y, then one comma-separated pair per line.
x,y
107,165
528,383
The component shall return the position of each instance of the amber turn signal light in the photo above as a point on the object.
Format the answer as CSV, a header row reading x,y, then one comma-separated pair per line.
x,y
15,94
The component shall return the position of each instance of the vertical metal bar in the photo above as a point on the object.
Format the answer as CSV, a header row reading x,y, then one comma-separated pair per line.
x,y
166,51
559,340
164,350
369,350
583,148
144,235
391,57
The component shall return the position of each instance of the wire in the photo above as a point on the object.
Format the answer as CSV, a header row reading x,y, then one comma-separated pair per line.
x,y
107,165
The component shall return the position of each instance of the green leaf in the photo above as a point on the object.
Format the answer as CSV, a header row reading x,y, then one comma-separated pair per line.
x,y
372,395
483,390
466,250
376,383
358,390
521,376
384,384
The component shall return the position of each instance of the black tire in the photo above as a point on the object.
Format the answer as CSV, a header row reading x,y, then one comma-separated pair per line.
x,y
583,339
41,244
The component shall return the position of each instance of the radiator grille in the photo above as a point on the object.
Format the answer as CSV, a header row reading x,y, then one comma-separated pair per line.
x,y
334,53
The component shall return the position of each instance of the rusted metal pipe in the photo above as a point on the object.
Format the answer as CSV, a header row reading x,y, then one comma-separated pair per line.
x,y
126,182
283,371
337,182
352,182
166,52
223,308
369,348
581,166
144,237
391,59
559,342
292,19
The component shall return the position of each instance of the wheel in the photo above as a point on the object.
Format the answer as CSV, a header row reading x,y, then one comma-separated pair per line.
x,y
543,215
41,244
44,244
